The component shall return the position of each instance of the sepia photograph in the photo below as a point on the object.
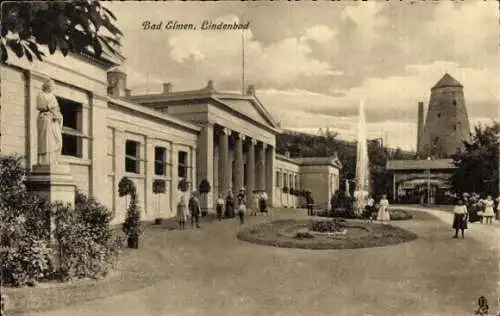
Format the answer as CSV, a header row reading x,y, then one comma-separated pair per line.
x,y
281,158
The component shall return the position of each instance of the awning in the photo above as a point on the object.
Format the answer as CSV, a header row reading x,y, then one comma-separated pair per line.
x,y
412,184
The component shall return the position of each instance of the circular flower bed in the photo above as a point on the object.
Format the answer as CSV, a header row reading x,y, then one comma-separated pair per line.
x,y
328,234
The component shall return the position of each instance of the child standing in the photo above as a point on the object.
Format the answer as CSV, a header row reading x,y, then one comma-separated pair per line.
x,y
242,209
181,213
220,207
459,218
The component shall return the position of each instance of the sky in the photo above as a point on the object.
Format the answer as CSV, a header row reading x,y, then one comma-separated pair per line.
x,y
312,62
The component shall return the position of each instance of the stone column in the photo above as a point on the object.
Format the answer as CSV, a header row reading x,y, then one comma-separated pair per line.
x,y
204,163
261,175
238,164
224,175
269,173
150,207
250,172
98,131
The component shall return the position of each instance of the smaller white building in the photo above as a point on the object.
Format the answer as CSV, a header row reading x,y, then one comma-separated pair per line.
x,y
319,175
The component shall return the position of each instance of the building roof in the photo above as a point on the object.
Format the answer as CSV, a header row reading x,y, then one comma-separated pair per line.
x,y
152,113
248,105
309,161
287,159
447,81
420,164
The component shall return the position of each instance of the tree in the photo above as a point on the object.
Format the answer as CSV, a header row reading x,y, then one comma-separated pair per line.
x,y
70,27
477,166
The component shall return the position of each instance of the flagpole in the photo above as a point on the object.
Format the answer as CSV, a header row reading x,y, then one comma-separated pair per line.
x,y
243,62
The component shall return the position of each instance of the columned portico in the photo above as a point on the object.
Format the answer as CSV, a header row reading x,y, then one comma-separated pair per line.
x,y
269,173
238,163
250,185
261,166
205,163
224,170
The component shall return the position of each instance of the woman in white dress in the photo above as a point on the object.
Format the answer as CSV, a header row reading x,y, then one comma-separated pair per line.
x,y
255,205
488,213
383,210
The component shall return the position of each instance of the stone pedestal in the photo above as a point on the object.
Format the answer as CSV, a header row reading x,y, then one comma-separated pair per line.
x,y
54,183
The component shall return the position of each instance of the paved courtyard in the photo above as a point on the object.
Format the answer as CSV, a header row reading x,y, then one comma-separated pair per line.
x,y
213,273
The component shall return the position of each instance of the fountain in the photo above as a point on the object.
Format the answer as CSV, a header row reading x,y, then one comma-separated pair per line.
x,y
362,189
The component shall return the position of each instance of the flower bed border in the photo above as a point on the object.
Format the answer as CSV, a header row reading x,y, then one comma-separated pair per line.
x,y
268,234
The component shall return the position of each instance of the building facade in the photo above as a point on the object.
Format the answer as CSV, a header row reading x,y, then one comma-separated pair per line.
x,y
154,140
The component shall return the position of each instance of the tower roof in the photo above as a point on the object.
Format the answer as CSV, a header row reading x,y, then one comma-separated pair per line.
x,y
447,81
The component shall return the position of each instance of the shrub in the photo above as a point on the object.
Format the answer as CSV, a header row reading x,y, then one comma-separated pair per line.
x,y
132,225
343,213
27,262
204,187
183,185
285,189
399,215
85,240
24,232
326,226
303,235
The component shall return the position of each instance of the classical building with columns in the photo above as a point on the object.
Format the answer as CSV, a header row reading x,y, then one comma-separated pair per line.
x,y
156,140
236,145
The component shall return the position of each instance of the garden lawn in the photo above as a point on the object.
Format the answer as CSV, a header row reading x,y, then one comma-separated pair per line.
x,y
214,273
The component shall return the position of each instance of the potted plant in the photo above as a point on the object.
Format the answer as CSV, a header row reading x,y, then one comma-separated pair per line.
x,y
183,185
204,188
132,225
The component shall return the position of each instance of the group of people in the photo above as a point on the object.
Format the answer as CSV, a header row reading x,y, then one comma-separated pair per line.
x,y
470,208
378,211
188,208
226,208
480,210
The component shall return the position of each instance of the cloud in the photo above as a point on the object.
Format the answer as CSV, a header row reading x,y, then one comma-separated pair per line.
x,y
465,29
313,63
367,20
320,33
276,63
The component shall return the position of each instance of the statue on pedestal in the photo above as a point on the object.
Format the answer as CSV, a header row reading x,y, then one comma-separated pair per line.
x,y
49,124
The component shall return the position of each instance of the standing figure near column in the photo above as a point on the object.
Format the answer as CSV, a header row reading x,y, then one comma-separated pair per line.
x,y
182,213
255,205
49,124
263,203
241,196
220,207
242,209
310,204
229,212
194,208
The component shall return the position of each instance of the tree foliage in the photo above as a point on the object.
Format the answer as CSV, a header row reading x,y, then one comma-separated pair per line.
x,y
70,27
477,165
326,144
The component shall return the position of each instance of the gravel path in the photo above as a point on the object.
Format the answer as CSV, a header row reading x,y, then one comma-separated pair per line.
x,y
211,272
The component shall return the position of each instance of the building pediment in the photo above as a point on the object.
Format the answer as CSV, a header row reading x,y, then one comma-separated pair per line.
x,y
249,106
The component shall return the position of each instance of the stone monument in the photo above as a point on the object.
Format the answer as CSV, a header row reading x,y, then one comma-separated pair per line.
x,y
50,178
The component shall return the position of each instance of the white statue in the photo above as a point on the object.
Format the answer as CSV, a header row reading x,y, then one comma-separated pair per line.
x,y
49,123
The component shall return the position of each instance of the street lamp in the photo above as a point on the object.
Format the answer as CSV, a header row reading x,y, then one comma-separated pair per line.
x,y
429,182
